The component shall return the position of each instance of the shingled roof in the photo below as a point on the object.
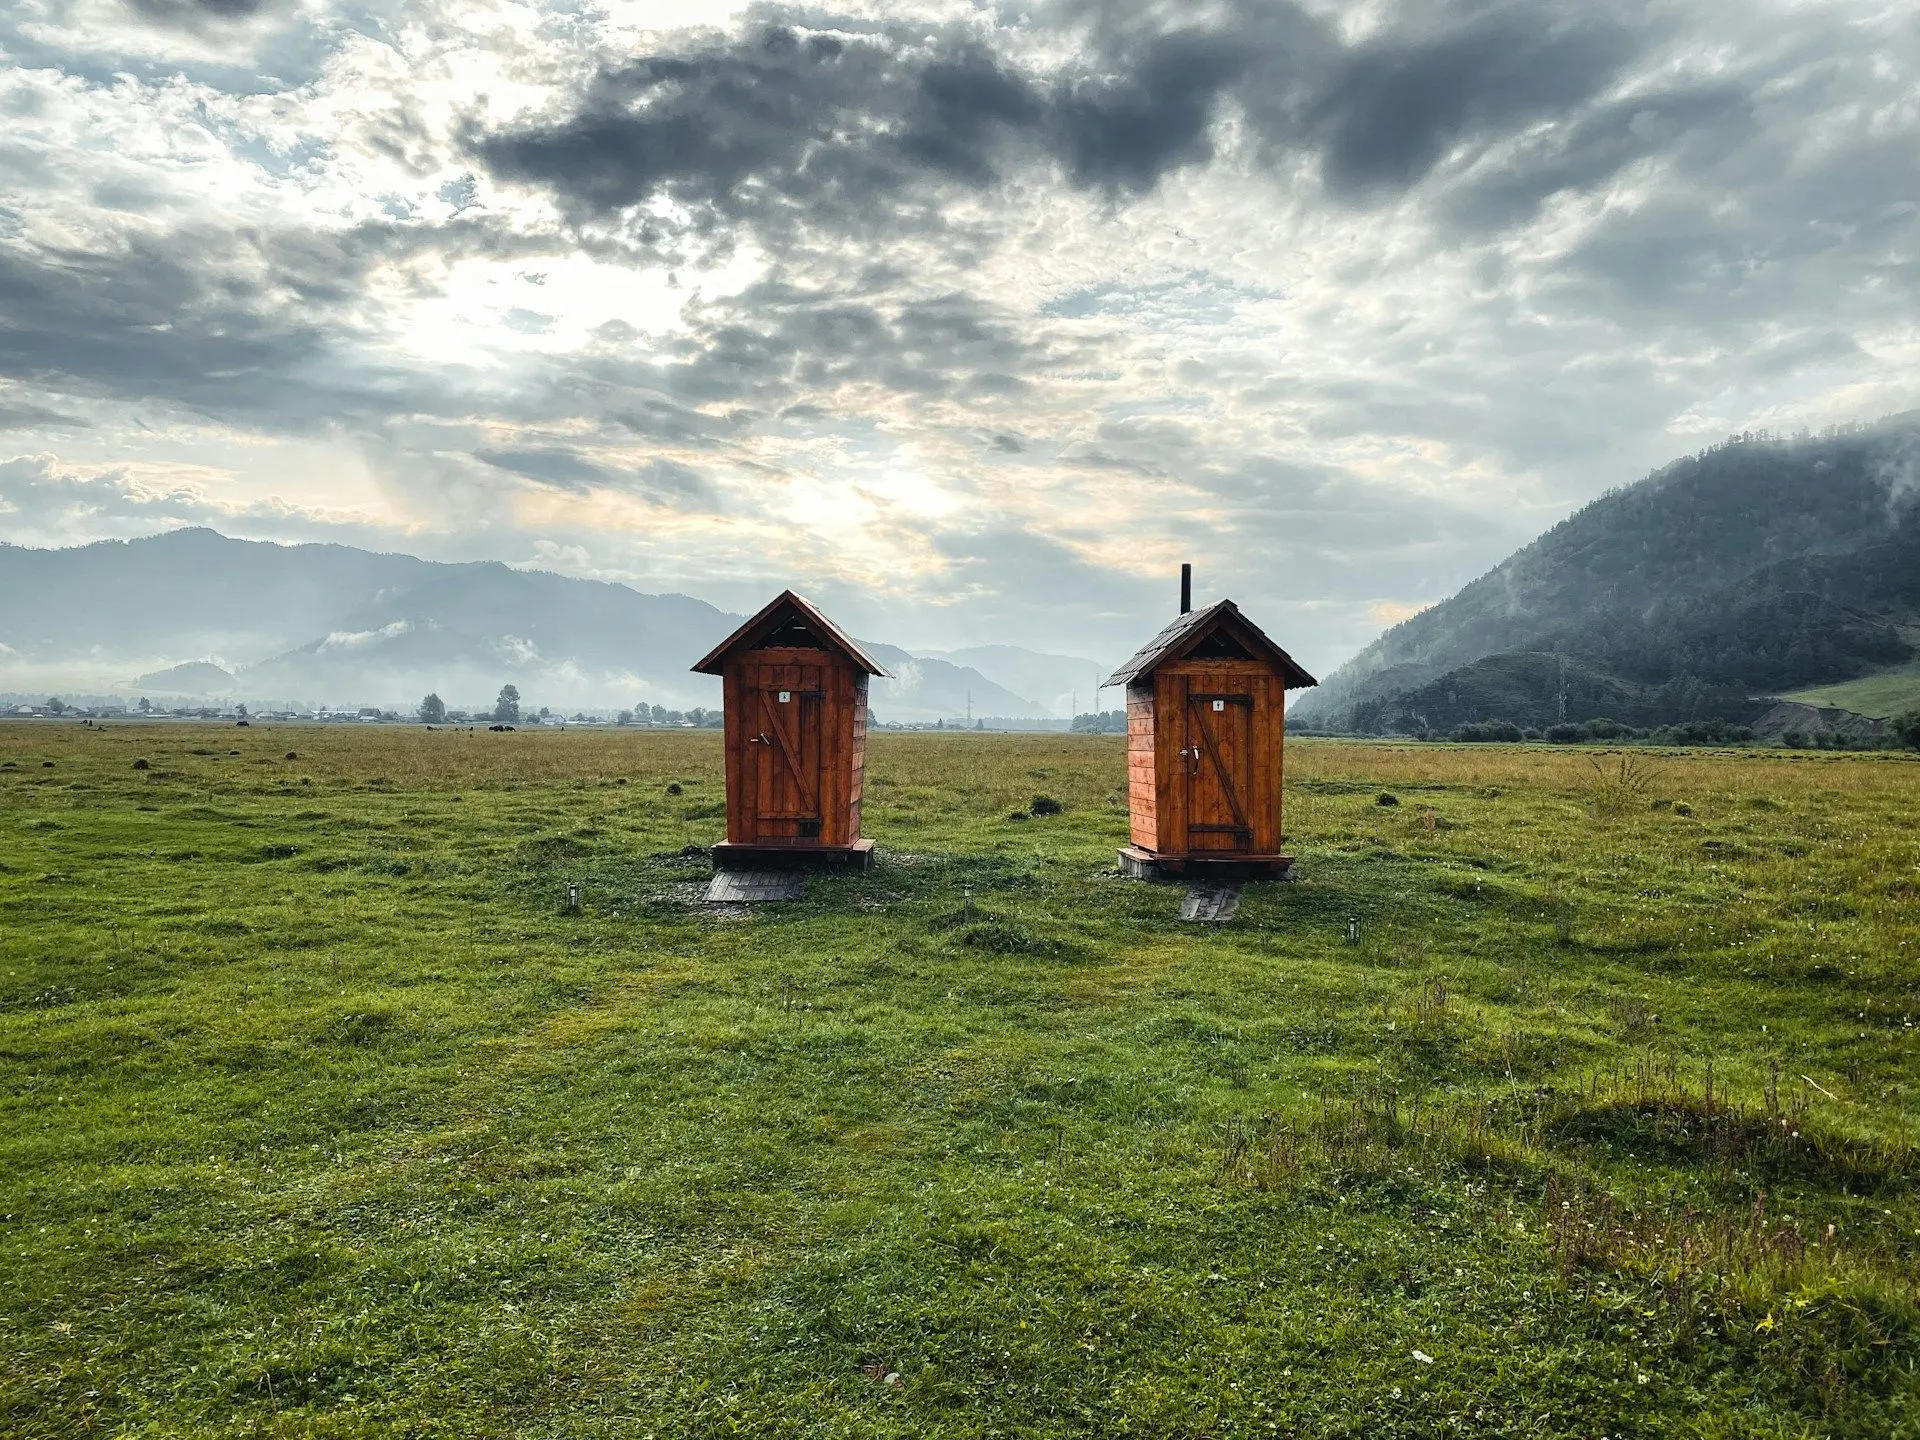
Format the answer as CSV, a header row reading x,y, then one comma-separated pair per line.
x,y
774,616
1186,634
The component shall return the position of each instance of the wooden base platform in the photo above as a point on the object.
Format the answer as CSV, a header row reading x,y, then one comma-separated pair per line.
x,y
857,856
1139,864
753,887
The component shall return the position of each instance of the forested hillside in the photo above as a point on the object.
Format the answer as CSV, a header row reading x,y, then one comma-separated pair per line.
x,y
1759,566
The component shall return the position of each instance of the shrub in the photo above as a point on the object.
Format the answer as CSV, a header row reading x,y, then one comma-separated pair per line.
x,y
1906,728
1707,732
142,765
1387,798
1489,731
1046,805
1620,788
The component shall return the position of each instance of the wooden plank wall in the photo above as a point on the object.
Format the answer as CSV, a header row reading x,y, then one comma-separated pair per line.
x,y
843,741
1277,691
1263,808
1166,794
859,771
734,731
1169,766
836,749
1142,770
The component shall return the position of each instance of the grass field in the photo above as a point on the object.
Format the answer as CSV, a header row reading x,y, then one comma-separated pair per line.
x,y
1888,693
325,1115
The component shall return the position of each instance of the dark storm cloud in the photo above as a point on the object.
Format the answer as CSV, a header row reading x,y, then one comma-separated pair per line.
x,y
231,323
1707,121
159,317
551,465
662,482
757,123
176,12
855,129
1397,104
1124,131
776,340
848,130
22,415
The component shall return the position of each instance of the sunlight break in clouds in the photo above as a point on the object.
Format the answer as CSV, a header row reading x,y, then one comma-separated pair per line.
x,y
971,320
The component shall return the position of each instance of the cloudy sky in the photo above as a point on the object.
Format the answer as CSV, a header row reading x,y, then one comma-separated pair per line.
x,y
971,320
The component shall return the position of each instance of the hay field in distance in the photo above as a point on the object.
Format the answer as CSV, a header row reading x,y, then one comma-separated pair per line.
x,y
323,1114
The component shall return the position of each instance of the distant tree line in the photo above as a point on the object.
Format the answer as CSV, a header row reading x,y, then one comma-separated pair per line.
x,y
1903,731
508,709
1104,722
660,718
1689,732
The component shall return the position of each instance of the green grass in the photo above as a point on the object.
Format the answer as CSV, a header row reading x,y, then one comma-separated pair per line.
x,y
1890,692
322,1114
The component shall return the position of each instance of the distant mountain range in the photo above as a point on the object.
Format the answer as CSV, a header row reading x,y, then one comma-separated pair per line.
x,y
1758,568
1063,684
193,613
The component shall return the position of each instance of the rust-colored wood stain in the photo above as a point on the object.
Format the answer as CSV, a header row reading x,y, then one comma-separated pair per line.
x,y
1206,733
795,707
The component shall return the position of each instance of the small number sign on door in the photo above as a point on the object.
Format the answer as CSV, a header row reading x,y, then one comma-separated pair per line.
x,y
785,696
1219,705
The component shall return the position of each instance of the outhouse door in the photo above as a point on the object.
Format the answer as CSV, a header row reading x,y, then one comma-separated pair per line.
x,y
784,749
1218,753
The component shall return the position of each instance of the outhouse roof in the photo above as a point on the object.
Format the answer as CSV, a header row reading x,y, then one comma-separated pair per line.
x,y
778,612
1188,631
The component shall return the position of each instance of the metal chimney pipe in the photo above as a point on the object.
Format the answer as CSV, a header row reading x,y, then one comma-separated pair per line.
x,y
1186,588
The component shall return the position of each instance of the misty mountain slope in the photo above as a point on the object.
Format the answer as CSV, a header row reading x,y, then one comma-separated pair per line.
x,y
1060,683
1758,566
926,688
330,624
538,615
187,594
464,630
196,677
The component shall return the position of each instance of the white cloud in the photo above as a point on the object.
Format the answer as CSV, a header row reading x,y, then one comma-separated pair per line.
x,y
283,292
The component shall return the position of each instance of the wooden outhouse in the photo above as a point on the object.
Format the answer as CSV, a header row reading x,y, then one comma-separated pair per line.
x,y
1206,722
795,707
